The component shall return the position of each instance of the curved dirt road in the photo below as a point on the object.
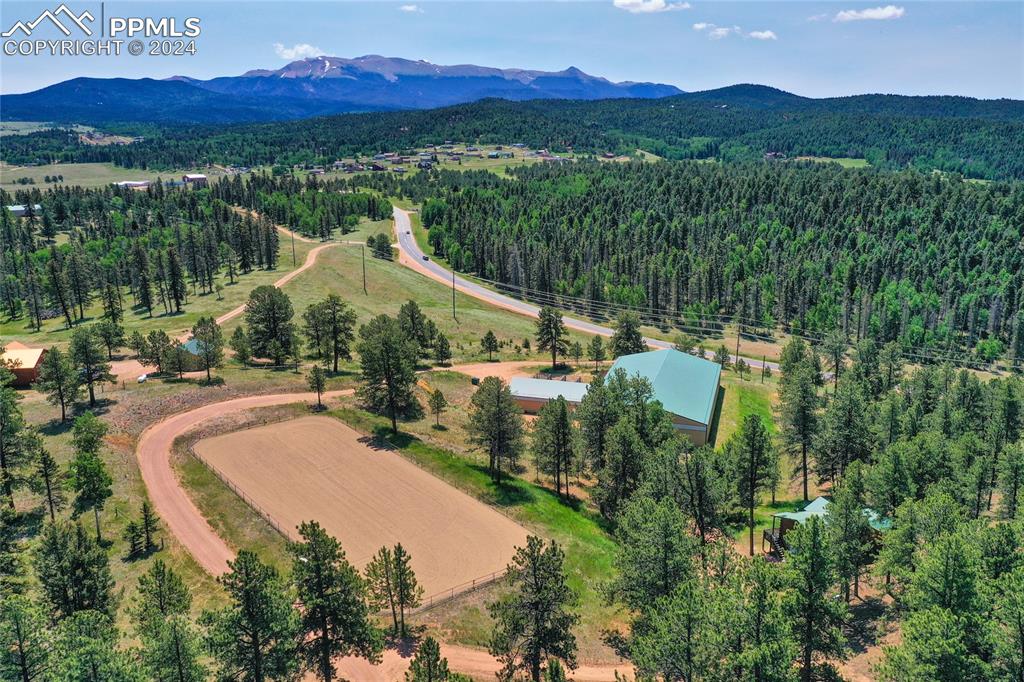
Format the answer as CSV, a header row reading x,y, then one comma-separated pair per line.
x,y
179,514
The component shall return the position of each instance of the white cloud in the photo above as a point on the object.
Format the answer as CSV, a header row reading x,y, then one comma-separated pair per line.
x,y
817,17
297,51
649,6
414,9
872,13
718,32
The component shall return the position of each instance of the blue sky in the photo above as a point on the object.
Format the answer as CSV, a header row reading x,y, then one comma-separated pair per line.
x,y
811,48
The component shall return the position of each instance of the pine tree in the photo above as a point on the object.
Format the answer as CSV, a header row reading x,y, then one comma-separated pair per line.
x,y
554,442
535,619
388,360
627,338
339,329
87,475
89,359
256,636
73,571
496,424
442,350
149,524
489,345
595,351
428,665
753,459
1011,480
48,479
815,617
845,433
12,452
799,399
24,638
317,382
210,343
59,380
408,592
437,405
380,583
268,318
335,620
239,343
551,334
85,648
111,334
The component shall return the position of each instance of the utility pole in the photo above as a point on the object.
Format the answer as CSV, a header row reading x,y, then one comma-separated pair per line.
x,y
453,296
362,254
292,231
764,366
739,330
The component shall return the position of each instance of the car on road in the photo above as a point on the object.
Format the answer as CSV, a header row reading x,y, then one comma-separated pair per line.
x,y
426,257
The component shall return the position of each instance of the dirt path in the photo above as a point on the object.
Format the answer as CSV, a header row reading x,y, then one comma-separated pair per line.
x,y
503,370
179,514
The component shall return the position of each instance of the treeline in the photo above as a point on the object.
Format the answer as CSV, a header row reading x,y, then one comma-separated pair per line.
x,y
927,261
150,250
977,139
310,206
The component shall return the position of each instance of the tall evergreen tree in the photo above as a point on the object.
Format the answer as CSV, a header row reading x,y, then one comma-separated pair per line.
x,y
551,334
335,620
554,442
59,380
255,637
388,361
496,424
534,621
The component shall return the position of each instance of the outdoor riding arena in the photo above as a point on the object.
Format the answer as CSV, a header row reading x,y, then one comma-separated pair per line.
x,y
319,469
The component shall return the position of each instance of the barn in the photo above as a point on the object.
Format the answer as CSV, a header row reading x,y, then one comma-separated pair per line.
x,y
686,386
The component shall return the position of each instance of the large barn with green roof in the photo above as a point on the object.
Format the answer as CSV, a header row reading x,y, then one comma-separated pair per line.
x,y
685,385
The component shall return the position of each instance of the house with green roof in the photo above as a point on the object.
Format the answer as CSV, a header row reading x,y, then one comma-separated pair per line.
x,y
686,386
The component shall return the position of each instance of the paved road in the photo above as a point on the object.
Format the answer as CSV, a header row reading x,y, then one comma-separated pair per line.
x,y
411,255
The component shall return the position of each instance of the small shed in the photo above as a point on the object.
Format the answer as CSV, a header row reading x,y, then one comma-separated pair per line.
x,y
533,394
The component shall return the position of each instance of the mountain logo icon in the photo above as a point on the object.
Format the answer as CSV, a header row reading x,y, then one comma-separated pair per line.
x,y
54,16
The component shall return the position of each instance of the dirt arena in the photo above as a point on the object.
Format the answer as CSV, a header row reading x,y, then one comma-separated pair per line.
x,y
316,468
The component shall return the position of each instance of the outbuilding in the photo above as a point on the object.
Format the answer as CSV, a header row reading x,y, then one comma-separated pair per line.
x,y
533,394
686,386
23,362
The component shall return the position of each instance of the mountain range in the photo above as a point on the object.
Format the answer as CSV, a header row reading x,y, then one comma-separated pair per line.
x,y
308,87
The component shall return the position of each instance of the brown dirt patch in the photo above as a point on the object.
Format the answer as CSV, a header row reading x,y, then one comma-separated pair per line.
x,y
318,468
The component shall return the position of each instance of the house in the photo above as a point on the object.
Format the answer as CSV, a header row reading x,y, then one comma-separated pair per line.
x,y
533,394
685,385
398,169
783,522
195,180
23,362
21,210
133,184
424,165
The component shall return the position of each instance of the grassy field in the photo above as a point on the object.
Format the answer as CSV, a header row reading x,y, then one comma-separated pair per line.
x,y
28,127
88,174
389,285
845,162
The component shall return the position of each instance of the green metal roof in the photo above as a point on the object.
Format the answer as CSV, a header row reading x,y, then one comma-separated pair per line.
x,y
684,384
820,504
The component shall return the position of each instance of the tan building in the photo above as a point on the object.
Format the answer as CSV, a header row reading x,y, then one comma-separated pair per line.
x,y
23,362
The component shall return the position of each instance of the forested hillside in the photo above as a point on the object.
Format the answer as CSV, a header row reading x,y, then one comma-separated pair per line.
x,y
931,262
979,139
159,246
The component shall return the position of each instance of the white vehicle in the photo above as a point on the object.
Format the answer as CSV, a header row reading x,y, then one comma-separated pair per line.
x,y
142,378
